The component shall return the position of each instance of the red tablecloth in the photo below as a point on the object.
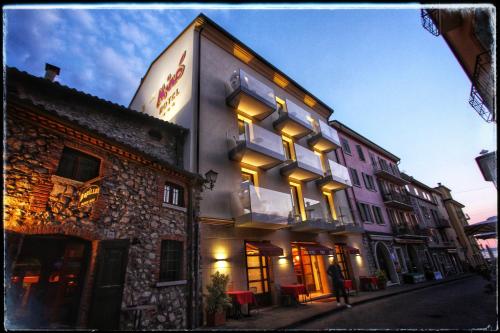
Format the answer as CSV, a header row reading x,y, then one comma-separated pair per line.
x,y
348,284
369,279
243,296
294,289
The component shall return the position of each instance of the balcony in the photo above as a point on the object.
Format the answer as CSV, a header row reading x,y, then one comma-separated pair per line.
x,y
258,147
317,219
250,96
388,174
336,178
397,200
306,167
482,96
439,21
257,207
293,121
345,224
325,138
442,223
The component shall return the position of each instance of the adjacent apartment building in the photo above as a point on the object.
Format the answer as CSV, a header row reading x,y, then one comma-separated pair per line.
x,y
279,211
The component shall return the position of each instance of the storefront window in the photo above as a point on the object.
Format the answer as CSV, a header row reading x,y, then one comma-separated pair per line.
x,y
258,274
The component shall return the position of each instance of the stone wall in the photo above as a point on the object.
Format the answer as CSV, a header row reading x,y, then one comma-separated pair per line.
x,y
129,206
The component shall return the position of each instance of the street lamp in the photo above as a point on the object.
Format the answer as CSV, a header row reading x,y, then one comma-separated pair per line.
x,y
210,179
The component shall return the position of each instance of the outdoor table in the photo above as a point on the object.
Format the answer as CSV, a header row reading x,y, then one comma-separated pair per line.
x,y
294,290
368,282
239,298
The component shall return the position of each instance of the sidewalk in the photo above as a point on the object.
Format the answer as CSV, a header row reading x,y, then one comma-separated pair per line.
x,y
279,317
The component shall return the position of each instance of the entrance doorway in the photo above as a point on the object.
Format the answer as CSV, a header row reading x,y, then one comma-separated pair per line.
x,y
44,288
258,275
385,263
310,271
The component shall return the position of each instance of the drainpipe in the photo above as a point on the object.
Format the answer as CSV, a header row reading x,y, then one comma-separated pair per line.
x,y
354,197
198,306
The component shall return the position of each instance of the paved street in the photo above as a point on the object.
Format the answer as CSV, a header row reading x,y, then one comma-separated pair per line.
x,y
456,305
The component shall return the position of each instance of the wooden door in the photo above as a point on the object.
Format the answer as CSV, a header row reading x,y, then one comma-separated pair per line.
x,y
108,284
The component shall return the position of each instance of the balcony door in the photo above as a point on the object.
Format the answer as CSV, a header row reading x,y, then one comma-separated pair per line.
x,y
297,202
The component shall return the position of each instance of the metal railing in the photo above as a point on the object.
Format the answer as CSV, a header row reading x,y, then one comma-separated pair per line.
x,y
428,23
482,95
395,196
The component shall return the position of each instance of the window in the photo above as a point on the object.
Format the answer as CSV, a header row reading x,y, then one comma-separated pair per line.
x,y
170,260
297,202
360,153
377,212
345,146
258,270
372,159
288,148
369,183
77,165
354,177
383,164
365,211
173,195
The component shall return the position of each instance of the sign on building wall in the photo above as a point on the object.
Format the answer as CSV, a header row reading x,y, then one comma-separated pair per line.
x,y
167,87
88,195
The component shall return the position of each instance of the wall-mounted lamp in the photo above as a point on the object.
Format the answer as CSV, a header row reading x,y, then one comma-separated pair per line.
x,y
282,260
210,179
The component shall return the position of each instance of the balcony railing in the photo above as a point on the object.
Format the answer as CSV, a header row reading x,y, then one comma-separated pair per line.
x,y
397,200
385,172
257,207
335,178
250,96
427,21
482,96
293,121
319,219
258,147
325,138
306,167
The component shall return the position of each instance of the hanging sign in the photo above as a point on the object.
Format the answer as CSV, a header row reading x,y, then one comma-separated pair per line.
x,y
88,196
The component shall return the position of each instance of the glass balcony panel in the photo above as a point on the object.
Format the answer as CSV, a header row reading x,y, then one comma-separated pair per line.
x,y
329,132
262,208
258,147
308,158
297,112
249,95
339,173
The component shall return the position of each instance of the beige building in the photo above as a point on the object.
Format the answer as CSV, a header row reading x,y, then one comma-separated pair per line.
x,y
279,211
469,248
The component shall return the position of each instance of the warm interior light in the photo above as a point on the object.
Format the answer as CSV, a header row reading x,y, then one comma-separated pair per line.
x,y
280,80
309,101
242,54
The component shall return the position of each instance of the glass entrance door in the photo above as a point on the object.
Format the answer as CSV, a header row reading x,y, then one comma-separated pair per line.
x,y
304,269
258,275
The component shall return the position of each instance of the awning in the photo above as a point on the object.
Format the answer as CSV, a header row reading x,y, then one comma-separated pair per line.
x,y
267,249
352,250
315,249
487,226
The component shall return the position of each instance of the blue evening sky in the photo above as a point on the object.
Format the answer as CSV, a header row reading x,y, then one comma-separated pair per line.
x,y
379,69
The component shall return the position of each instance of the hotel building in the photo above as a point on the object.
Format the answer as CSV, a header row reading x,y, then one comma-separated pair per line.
x,y
279,210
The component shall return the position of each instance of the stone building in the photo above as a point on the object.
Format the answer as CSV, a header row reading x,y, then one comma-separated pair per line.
x,y
98,213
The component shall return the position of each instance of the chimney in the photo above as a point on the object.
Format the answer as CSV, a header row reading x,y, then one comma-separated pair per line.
x,y
51,72
440,184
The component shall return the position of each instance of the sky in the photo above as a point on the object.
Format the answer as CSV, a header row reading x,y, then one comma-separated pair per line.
x,y
385,76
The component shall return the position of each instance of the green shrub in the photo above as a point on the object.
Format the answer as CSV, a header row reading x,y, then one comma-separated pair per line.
x,y
217,299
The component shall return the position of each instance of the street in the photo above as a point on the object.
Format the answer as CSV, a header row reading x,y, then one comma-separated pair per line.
x,y
457,305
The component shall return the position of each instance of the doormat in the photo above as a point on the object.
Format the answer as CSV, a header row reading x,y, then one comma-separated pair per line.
x,y
325,300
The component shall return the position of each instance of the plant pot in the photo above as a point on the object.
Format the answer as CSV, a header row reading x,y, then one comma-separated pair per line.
x,y
216,318
381,284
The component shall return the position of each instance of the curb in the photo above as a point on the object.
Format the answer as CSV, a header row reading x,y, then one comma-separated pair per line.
x,y
342,308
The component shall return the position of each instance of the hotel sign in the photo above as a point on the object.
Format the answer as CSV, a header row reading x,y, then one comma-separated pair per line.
x,y
167,88
88,196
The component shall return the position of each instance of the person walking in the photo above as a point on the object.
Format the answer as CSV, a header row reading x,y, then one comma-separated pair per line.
x,y
335,273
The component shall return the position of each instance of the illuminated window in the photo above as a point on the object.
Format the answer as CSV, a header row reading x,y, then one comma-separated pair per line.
x,y
288,148
297,202
173,195
170,260
77,165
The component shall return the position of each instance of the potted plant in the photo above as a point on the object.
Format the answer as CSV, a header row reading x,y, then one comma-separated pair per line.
x,y
381,278
217,299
